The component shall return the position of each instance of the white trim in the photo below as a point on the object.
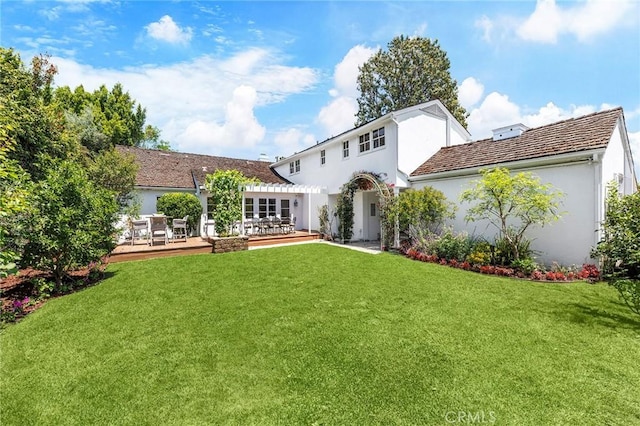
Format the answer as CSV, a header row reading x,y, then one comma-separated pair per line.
x,y
284,188
541,162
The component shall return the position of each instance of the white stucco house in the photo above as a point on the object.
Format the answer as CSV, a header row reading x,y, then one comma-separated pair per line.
x,y
393,145
418,146
579,157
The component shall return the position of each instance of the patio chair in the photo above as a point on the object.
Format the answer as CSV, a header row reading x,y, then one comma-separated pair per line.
x,y
158,228
179,228
265,225
285,225
293,225
137,228
276,224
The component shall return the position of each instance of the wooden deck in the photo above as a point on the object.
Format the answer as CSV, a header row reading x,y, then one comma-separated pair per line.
x,y
141,250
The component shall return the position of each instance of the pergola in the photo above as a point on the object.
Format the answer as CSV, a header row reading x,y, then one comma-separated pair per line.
x,y
282,188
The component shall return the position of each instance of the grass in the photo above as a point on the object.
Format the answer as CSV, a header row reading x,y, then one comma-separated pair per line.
x,y
321,335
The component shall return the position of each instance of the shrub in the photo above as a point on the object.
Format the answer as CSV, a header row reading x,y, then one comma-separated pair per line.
x,y
178,205
508,249
453,246
619,249
629,291
481,254
526,266
73,223
421,212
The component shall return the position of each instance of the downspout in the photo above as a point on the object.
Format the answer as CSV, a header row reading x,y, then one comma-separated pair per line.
x,y
447,122
599,204
396,225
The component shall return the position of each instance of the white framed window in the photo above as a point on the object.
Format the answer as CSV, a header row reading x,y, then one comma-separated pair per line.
x,y
285,211
365,142
323,157
248,208
345,149
294,167
378,138
266,207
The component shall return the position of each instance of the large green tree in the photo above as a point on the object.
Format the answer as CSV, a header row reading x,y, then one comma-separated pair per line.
x,y
31,126
114,112
512,203
412,70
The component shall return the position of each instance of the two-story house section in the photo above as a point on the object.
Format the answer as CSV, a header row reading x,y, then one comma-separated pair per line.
x,y
393,146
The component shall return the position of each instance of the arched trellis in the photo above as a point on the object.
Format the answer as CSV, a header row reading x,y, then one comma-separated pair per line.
x,y
367,181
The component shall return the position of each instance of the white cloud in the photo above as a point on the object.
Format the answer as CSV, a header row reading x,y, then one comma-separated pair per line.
x,y
293,140
240,128
583,20
486,25
496,111
544,23
470,92
167,30
339,115
203,99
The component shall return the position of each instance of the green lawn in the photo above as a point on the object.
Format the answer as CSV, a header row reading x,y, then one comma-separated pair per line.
x,y
316,334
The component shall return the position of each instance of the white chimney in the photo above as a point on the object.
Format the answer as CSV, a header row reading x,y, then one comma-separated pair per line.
x,y
507,132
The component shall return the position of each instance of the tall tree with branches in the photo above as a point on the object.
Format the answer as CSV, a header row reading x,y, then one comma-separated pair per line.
x,y
412,70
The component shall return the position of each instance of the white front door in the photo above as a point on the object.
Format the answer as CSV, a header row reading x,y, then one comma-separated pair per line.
x,y
372,216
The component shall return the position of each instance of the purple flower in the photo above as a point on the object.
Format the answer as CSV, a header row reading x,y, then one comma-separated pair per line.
x,y
17,304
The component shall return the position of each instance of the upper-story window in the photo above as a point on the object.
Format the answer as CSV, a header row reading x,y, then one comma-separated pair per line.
x,y
294,167
365,142
323,157
345,149
378,137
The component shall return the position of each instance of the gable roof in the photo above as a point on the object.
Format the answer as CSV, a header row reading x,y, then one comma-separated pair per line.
x,y
433,107
170,169
589,132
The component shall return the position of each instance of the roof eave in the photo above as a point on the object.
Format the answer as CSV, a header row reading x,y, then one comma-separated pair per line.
x,y
546,161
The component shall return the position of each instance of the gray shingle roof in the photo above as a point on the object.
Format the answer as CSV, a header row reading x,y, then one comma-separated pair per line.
x,y
577,134
169,169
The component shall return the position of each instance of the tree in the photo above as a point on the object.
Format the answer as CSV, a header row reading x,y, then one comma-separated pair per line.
x,y
115,172
225,187
117,116
619,248
413,70
151,139
31,125
178,205
421,212
72,224
511,203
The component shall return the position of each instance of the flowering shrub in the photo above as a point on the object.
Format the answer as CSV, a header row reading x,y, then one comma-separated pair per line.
x,y
589,271
526,268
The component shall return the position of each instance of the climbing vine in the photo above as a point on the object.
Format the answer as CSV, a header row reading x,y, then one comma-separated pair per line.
x,y
364,181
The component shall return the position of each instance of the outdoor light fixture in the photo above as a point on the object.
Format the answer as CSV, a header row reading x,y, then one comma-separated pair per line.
x,y
295,203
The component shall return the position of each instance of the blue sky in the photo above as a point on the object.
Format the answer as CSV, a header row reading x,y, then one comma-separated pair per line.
x,y
243,78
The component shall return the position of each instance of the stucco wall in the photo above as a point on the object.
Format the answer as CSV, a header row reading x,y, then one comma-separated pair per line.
x,y
338,170
421,136
567,241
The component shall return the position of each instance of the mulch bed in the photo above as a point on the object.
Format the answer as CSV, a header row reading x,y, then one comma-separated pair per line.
x,y
16,288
